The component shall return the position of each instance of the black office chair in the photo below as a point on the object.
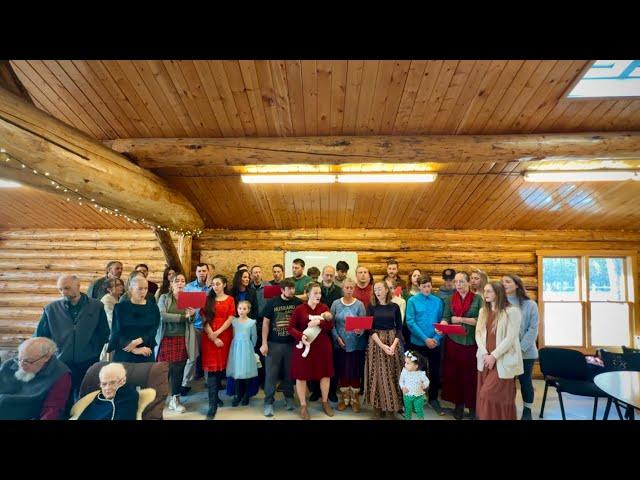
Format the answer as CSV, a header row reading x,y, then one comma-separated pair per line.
x,y
566,371
632,358
613,362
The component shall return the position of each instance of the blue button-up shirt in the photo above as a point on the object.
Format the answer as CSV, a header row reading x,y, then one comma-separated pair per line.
x,y
197,287
422,312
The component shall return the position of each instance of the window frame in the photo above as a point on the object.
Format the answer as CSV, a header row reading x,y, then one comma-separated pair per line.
x,y
630,275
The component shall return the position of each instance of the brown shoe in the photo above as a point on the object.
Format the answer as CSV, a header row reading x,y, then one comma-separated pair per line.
x,y
326,408
344,399
355,400
376,413
391,416
304,413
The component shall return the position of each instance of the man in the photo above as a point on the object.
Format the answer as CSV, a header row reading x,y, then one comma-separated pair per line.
x,y
423,311
392,272
116,399
342,268
299,278
364,286
277,345
278,274
258,285
98,288
36,384
144,269
78,325
314,273
200,284
447,288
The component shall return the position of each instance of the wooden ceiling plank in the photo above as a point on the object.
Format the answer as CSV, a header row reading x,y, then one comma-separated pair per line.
x,y
254,95
310,96
325,74
369,79
408,95
380,95
296,96
226,96
238,90
399,78
338,95
421,105
283,102
355,71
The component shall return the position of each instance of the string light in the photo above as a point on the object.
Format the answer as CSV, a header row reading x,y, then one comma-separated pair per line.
x,y
82,200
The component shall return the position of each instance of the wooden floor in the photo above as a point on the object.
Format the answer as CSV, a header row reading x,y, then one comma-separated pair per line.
x,y
576,408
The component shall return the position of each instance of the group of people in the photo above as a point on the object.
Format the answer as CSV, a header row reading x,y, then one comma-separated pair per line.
x,y
295,339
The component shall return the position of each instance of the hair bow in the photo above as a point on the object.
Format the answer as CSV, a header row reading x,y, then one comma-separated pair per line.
x,y
409,354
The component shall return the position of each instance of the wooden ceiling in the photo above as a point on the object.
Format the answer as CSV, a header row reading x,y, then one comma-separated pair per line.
x,y
166,99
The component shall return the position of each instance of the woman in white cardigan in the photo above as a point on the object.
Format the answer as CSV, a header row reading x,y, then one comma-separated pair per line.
x,y
499,355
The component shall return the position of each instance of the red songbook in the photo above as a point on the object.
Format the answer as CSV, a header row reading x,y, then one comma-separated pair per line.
x,y
195,300
358,323
450,329
271,291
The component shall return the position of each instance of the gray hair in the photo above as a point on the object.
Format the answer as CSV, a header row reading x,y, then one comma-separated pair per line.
x,y
116,368
47,346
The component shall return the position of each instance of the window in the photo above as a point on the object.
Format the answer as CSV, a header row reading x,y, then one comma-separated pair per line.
x,y
609,78
586,300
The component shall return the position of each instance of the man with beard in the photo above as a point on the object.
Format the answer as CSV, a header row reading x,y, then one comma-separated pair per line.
x,y
98,288
34,385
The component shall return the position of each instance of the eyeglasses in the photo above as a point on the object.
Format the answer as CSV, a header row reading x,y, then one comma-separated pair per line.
x,y
20,361
113,383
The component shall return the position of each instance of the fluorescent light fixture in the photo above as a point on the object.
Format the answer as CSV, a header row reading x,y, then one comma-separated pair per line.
x,y
289,178
581,176
9,184
387,178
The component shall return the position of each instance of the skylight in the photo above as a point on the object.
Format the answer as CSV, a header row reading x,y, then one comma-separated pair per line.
x,y
609,78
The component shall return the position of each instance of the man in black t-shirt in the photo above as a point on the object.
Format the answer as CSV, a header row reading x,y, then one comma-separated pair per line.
x,y
277,344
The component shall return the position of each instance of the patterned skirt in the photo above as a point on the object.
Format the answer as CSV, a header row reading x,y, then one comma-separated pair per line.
x,y
382,374
172,349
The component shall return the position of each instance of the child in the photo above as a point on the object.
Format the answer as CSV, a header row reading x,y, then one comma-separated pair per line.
x,y
242,360
413,382
311,333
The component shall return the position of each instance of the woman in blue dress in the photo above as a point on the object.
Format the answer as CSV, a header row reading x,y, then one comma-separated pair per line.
x,y
242,365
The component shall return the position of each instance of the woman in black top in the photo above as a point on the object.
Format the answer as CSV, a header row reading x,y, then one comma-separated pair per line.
x,y
135,324
384,357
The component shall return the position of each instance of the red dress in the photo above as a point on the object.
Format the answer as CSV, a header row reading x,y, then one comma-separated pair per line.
x,y
319,362
214,359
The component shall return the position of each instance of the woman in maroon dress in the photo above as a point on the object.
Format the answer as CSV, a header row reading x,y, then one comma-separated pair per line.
x,y
216,339
318,365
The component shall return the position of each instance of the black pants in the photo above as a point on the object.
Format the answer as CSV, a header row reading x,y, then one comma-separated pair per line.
x,y
78,371
433,359
176,372
526,381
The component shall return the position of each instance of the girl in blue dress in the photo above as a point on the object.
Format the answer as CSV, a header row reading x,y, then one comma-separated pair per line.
x,y
242,365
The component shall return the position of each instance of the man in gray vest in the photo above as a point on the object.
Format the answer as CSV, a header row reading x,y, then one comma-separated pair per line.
x,y
35,384
78,325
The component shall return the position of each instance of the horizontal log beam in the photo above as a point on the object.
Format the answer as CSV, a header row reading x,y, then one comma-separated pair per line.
x,y
78,234
207,152
79,162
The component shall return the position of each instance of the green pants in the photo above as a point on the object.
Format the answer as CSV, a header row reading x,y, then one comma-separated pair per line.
x,y
412,402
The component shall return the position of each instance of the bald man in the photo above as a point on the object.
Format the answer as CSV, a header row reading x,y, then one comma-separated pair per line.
x,y
35,384
78,325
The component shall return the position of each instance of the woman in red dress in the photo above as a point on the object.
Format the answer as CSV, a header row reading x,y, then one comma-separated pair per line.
x,y
318,365
217,315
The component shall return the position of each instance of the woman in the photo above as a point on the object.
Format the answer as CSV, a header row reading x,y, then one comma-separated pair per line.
x,y
176,337
241,291
478,280
318,365
125,296
517,296
349,347
217,315
115,289
412,285
459,365
384,357
499,357
395,298
167,277
135,324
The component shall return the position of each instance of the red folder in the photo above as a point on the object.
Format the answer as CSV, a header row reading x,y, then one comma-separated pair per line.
x,y
398,291
271,291
358,323
450,329
195,300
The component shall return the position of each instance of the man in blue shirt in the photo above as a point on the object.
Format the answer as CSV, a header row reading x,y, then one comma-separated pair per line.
x,y
200,284
424,310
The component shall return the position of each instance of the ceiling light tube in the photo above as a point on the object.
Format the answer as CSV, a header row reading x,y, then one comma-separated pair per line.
x,y
9,184
573,176
289,178
387,177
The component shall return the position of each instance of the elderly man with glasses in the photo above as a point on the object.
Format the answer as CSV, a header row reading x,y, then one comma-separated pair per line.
x,y
35,384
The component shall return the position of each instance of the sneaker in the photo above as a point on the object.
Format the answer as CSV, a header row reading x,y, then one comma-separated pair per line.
x,y
288,404
184,391
435,404
175,405
268,410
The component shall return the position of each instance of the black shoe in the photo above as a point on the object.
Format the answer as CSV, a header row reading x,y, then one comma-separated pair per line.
x,y
526,414
236,401
333,397
458,412
314,396
245,400
220,402
211,413
184,391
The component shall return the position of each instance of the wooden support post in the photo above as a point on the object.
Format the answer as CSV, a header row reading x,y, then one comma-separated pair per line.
x,y
168,248
184,250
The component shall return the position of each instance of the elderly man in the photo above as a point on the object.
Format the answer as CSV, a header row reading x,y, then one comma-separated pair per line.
x,y
35,384
98,288
78,325
116,399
